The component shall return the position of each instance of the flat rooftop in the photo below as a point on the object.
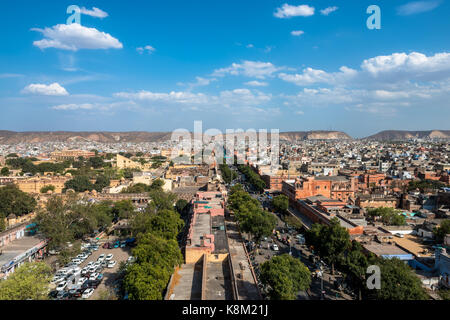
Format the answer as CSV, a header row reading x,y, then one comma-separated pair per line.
x,y
201,227
218,281
17,247
414,245
384,249
186,283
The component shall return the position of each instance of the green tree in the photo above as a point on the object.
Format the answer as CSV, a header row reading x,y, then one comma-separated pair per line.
x,y
281,203
166,224
47,188
156,258
137,188
285,276
101,182
181,205
389,216
29,282
79,184
398,282
4,172
441,231
15,201
96,162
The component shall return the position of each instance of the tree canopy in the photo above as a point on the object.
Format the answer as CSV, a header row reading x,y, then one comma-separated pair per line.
x,y
281,203
389,216
29,281
285,276
15,201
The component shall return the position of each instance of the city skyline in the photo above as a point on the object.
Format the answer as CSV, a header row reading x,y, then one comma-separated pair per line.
x,y
292,66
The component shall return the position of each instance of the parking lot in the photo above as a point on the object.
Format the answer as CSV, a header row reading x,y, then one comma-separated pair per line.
x,y
107,285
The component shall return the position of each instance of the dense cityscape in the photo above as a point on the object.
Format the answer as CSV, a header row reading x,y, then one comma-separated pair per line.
x,y
217,159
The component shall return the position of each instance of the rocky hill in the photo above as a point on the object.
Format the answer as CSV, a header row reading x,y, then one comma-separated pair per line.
x,y
314,135
405,135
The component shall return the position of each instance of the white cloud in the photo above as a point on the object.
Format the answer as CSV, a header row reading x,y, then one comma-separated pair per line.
x,y
287,11
311,76
74,37
253,69
328,10
255,83
54,89
413,64
147,48
417,7
94,12
74,106
249,45
297,32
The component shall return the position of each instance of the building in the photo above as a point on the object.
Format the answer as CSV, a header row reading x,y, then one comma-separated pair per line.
x,y
376,201
35,184
70,155
333,187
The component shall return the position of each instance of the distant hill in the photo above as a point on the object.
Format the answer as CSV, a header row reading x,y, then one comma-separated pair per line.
x,y
314,135
405,135
12,137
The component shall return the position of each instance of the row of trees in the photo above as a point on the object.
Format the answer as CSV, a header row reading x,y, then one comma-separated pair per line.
x,y
252,218
142,188
425,185
228,175
83,183
252,177
157,252
332,243
27,166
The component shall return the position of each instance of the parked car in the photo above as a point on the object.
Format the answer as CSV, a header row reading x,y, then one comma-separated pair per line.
x,y
109,257
62,295
87,293
275,247
111,264
61,286
75,293
93,276
101,258
81,281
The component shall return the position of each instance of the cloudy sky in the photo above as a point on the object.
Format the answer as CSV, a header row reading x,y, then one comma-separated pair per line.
x,y
263,64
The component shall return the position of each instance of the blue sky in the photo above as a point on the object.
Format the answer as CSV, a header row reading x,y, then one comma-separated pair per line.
x,y
288,65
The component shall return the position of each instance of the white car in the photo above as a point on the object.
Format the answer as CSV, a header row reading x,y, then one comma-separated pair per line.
x,y
93,276
61,286
87,293
109,257
81,281
275,247
58,279
77,261
111,264
90,264
101,258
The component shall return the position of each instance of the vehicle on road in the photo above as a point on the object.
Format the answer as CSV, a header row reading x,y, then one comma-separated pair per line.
x,y
275,247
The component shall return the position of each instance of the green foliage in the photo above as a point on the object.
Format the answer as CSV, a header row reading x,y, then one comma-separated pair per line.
x,y
123,209
156,258
101,182
252,177
15,201
26,164
66,221
285,276
79,184
4,172
398,282
252,219
181,206
442,231
128,172
281,203
389,216
12,155
425,185
95,162
47,188
228,175
29,281
331,242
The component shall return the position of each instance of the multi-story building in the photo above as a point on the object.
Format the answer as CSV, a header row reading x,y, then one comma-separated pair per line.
x,y
71,155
